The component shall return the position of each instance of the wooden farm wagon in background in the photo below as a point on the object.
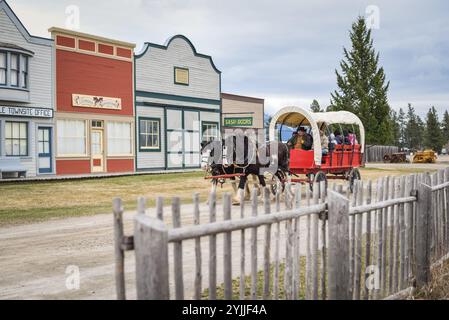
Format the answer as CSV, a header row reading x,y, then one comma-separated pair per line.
x,y
341,162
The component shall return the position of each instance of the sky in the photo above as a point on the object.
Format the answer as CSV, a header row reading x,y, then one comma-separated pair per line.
x,y
284,51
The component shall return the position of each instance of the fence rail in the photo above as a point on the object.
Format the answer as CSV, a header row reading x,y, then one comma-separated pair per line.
x,y
321,244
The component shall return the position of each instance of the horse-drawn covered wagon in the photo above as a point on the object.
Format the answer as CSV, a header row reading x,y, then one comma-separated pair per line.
x,y
337,148
326,146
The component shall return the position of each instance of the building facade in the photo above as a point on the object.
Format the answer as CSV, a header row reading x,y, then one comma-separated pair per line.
x,y
95,126
178,105
242,113
26,96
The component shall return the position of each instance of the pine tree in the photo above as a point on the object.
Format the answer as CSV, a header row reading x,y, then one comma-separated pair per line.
x,y
421,129
362,87
433,137
315,106
396,128
401,125
413,131
445,127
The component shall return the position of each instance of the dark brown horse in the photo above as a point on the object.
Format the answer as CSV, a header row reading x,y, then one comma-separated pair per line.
x,y
238,154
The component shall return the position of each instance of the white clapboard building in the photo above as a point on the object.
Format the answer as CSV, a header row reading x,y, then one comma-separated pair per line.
x,y
26,98
178,104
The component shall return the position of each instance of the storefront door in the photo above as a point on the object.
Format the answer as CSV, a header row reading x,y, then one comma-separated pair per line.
x,y
44,150
97,150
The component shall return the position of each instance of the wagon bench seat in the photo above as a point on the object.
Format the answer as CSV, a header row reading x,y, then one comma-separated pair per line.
x,y
11,165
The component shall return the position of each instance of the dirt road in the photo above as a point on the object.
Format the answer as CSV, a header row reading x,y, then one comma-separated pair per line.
x,y
35,257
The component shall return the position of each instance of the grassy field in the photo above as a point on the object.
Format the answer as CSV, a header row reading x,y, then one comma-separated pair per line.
x,y
39,201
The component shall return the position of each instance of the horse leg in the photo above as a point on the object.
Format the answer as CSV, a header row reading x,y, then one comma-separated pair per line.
x,y
247,192
236,199
213,189
234,184
263,184
257,186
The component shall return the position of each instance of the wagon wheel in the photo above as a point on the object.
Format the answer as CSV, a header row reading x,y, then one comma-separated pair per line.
x,y
387,158
317,178
353,175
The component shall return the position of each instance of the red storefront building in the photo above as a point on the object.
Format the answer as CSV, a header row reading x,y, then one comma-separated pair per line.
x,y
95,125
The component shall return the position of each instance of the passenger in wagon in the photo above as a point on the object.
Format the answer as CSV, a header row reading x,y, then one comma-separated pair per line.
x,y
346,137
300,140
352,137
338,137
324,142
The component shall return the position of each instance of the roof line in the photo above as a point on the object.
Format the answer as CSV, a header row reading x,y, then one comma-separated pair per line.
x,y
169,41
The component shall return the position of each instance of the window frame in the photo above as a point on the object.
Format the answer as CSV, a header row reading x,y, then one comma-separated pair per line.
x,y
27,139
24,74
150,149
16,71
20,73
86,140
5,68
131,139
181,83
203,123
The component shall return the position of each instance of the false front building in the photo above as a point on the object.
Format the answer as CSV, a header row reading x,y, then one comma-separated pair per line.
x,y
94,103
26,99
178,105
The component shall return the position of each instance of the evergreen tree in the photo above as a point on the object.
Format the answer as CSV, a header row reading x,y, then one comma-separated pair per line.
x,y
421,129
445,127
401,125
315,106
362,88
413,131
396,128
433,137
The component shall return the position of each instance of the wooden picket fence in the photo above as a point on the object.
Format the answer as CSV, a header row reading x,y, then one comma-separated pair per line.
x,y
375,153
378,242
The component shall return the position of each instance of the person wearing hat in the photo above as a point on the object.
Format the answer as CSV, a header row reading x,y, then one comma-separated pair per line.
x,y
300,140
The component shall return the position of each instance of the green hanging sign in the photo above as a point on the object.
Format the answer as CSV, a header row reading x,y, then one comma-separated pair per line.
x,y
238,122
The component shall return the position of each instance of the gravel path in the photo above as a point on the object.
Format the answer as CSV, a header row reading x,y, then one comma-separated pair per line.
x,y
34,257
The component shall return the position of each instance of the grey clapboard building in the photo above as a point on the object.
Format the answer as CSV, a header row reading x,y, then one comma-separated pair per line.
x,y
26,98
178,104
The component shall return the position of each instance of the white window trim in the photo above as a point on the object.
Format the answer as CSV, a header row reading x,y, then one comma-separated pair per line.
x,y
86,140
121,155
158,134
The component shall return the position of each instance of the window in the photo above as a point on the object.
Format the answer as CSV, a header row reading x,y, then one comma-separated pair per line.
x,y
97,124
3,68
14,70
149,134
24,71
182,76
16,139
119,138
71,137
209,131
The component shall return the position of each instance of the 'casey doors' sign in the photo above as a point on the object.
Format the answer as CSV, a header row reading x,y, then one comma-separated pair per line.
x,y
31,112
238,122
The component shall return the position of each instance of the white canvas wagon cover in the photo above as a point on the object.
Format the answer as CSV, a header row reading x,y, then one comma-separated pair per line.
x,y
295,116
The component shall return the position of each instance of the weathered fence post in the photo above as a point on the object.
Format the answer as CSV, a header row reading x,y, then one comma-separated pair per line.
x,y
119,252
339,280
151,249
424,209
